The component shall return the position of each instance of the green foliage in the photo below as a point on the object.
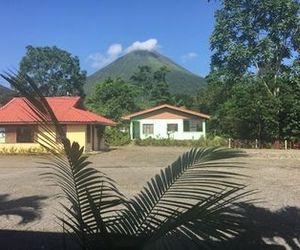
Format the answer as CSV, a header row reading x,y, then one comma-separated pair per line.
x,y
5,98
258,35
143,78
178,78
56,72
192,202
215,141
115,137
290,108
250,113
153,86
250,91
184,100
6,95
113,98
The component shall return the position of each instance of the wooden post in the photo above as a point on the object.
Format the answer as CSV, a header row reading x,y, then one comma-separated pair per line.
x,y
229,143
285,145
256,143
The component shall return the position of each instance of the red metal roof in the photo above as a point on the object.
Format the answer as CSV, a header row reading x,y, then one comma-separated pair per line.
x,y
66,109
166,106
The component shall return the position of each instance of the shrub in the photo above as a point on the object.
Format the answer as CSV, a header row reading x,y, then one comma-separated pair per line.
x,y
23,151
202,142
115,137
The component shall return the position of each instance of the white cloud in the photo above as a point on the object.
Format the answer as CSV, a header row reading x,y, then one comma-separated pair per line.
x,y
150,45
99,61
189,56
115,50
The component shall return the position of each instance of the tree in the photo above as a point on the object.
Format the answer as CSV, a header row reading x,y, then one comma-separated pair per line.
x,y
256,40
290,100
55,71
256,37
113,98
250,113
160,90
143,78
152,86
183,100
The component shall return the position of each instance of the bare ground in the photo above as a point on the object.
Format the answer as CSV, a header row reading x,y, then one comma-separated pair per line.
x,y
26,203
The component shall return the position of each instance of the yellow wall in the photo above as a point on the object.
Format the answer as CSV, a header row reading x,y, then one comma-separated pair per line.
x,y
77,133
74,133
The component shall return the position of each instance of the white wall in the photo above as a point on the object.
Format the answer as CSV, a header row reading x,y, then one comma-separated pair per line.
x,y
160,130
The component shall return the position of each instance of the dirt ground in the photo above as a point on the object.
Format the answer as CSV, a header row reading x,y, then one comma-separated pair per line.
x,y
26,203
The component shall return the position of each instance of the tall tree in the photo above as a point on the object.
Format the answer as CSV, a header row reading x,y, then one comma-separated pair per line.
x,y
184,100
256,37
160,90
113,98
55,71
290,108
257,40
152,86
143,77
250,113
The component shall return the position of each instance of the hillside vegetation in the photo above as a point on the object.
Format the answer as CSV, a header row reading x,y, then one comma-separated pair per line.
x,y
178,78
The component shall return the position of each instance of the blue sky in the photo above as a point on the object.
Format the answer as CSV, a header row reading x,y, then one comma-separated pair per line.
x,y
100,31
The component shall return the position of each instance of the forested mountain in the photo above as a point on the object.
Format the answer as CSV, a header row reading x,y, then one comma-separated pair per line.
x,y
179,79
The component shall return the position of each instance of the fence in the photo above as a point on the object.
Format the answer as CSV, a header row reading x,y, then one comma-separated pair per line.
x,y
285,144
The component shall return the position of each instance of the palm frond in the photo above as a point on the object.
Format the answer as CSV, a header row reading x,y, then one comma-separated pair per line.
x,y
92,196
198,184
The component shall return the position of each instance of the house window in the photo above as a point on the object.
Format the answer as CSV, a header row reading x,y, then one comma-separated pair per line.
x,y
172,127
148,129
192,125
88,133
186,126
2,135
25,134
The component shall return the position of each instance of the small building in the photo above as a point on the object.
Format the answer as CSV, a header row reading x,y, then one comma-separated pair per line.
x,y
20,130
167,121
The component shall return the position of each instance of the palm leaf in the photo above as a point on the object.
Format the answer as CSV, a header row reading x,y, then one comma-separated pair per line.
x,y
68,168
180,198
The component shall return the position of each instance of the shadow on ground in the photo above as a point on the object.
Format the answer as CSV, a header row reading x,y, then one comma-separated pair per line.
x,y
278,230
262,227
27,208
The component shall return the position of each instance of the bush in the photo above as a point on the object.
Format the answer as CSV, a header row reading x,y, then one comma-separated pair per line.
x,y
115,137
202,142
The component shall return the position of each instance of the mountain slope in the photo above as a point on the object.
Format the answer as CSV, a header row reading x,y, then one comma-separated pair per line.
x,y
180,80
5,90
6,94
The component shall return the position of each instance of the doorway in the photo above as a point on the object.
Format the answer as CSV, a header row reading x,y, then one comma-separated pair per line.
x,y
135,130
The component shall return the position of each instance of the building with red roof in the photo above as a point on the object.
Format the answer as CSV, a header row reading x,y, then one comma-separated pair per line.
x,y
167,121
19,128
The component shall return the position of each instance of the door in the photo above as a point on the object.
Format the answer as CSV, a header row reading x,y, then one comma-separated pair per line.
x,y
135,130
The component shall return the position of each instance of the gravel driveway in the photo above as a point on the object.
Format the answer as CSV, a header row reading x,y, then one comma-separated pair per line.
x,y
26,203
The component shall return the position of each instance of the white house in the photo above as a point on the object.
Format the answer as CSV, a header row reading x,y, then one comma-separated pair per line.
x,y
167,121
